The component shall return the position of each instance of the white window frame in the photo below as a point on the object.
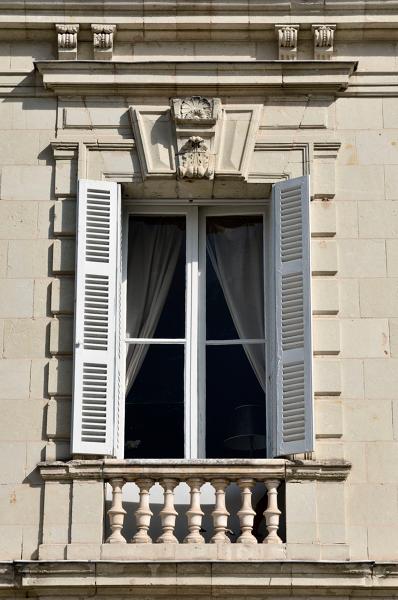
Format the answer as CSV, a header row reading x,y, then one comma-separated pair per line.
x,y
195,303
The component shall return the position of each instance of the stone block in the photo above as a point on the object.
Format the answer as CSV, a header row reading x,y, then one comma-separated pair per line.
x,y
325,296
301,512
45,219
10,542
392,258
19,149
359,113
358,542
326,377
12,462
27,182
362,258
324,257
39,378
364,338
56,512
377,148
329,448
368,421
28,258
65,217
328,418
25,338
61,336
355,182
382,460
378,549
326,336
323,218
59,418
391,182
50,552
335,552
352,385
3,257
355,453
79,552
372,503
16,298
379,297
60,377
62,296
18,220
300,551
34,113
390,116
381,378
64,256
347,219
349,298
15,378
41,298
66,177
20,504
87,512
29,415
378,220
393,327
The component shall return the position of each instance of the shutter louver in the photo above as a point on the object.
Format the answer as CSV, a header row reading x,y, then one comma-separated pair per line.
x,y
95,318
293,413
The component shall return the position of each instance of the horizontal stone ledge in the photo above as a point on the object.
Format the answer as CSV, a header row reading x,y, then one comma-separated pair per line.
x,y
247,577
172,77
206,469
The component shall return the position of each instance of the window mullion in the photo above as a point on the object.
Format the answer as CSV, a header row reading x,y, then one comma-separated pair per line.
x,y
191,349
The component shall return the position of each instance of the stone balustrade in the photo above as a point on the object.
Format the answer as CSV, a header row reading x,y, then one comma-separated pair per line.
x,y
225,509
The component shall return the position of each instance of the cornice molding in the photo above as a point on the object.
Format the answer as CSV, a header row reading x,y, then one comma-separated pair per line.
x,y
211,78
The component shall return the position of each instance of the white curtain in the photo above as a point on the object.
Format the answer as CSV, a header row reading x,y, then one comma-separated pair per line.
x,y
153,255
236,254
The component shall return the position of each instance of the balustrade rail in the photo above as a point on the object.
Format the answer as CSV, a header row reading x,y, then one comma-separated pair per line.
x,y
220,475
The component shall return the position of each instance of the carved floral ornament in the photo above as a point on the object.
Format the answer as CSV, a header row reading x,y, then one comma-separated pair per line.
x,y
194,160
196,109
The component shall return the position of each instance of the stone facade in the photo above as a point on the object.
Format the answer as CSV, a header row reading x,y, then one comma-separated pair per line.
x,y
86,94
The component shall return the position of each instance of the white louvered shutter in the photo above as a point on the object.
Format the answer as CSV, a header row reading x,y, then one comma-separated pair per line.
x,y
95,317
293,413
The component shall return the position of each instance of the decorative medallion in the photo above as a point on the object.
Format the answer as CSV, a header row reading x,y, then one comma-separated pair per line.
x,y
194,160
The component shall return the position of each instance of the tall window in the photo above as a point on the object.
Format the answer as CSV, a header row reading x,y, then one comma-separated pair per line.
x,y
196,342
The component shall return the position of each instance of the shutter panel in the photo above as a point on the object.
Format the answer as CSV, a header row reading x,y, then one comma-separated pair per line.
x,y
95,318
293,413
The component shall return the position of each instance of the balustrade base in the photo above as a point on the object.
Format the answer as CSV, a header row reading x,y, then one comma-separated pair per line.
x,y
193,552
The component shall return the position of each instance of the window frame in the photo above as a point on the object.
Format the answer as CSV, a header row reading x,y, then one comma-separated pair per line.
x,y
195,309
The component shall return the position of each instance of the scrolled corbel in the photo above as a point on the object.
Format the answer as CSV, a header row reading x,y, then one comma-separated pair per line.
x,y
67,40
287,41
323,41
103,38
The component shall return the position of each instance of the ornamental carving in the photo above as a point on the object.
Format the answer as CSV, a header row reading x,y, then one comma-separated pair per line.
x,y
195,110
323,41
194,160
67,40
103,36
287,40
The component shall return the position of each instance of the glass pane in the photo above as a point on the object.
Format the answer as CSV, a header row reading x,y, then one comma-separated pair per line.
x,y
235,402
234,277
156,277
154,426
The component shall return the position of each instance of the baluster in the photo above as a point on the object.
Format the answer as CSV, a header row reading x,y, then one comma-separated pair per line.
x,y
194,514
220,514
116,512
143,513
168,513
272,513
246,513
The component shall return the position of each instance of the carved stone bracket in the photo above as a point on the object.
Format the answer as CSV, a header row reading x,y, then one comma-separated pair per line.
x,y
287,40
323,41
103,37
67,41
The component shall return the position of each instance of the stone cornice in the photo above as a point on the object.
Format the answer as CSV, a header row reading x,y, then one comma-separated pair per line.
x,y
329,470
174,578
212,78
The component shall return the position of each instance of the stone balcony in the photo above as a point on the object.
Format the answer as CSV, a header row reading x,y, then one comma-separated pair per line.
x,y
194,510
